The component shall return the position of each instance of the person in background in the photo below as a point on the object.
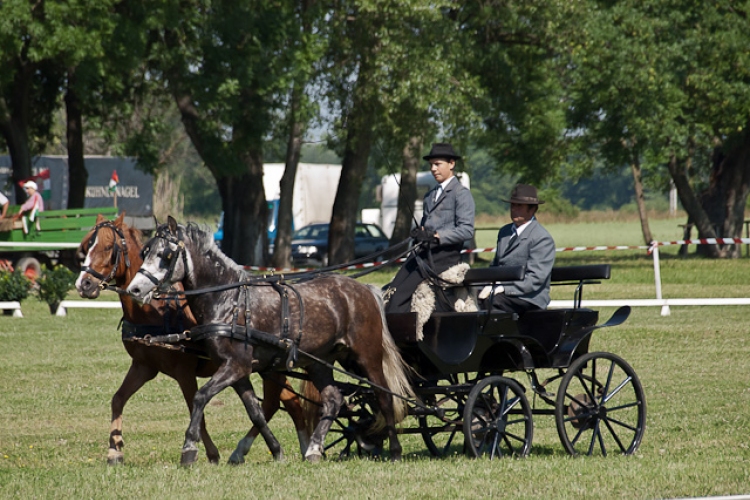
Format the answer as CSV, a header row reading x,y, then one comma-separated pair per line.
x,y
447,221
524,242
4,204
33,204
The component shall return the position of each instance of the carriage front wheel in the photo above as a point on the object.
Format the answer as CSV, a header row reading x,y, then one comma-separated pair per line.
x,y
497,419
600,406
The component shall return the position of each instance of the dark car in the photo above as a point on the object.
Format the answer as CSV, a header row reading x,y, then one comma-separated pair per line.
x,y
310,243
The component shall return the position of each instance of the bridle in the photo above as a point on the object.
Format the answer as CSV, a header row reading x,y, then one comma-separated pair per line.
x,y
118,251
169,258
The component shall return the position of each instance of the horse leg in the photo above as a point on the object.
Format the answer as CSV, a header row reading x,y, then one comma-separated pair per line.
x,y
136,377
189,387
244,389
374,369
291,402
225,376
331,400
276,389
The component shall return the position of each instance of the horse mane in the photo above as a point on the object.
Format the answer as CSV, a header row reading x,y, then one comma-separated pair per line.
x,y
134,234
205,245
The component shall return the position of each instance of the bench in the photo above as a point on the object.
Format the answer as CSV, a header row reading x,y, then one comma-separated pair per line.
x,y
564,275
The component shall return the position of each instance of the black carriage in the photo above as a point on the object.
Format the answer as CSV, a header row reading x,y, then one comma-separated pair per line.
x,y
462,368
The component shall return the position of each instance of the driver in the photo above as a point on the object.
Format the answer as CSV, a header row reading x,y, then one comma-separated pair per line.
x,y
447,221
524,242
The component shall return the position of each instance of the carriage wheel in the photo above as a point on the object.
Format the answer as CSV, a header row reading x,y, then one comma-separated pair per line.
x,y
497,419
349,434
439,433
600,406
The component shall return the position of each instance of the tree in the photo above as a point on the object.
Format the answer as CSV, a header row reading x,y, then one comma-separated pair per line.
x,y
667,84
226,67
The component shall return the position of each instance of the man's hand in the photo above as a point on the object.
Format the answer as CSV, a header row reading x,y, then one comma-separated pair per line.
x,y
421,235
486,291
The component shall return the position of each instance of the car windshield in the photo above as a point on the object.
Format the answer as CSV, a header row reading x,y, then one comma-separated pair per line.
x,y
317,232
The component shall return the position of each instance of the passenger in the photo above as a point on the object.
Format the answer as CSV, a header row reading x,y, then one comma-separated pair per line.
x,y
33,204
447,221
526,243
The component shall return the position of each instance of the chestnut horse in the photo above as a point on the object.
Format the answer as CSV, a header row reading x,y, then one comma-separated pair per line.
x,y
253,323
111,251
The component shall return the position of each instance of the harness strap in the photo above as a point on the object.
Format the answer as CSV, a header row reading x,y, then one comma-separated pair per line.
x,y
239,333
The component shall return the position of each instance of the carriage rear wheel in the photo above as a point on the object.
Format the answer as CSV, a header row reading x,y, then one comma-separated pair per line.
x,y
440,433
497,419
600,406
350,433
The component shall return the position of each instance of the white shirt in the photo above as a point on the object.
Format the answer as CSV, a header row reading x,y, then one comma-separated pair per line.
x,y
3,199
442,187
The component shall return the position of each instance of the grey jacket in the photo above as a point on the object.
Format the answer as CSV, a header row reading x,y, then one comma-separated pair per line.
x,y
452,216
534,249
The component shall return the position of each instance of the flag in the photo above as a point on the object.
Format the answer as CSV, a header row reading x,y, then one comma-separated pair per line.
x,y
45,185
113,182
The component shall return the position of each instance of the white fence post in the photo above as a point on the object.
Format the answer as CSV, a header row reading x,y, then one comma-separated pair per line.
x,y
657,278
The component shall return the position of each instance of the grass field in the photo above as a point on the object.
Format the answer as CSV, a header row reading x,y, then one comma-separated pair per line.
x,y
58,374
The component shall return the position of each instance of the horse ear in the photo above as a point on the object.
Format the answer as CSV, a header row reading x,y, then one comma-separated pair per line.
x,y
156,222
172,224
100,218
119,219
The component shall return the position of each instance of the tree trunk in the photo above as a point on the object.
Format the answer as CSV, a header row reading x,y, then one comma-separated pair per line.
x,y
725,198
407,193
245,214
283,244
640,200
76,165
239,178
353,169
692,205
14,124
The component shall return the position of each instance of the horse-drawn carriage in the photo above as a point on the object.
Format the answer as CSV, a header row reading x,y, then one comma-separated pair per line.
x,y
460,365
457,373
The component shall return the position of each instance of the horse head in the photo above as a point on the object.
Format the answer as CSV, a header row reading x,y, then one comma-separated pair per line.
x,y
165,262
105,254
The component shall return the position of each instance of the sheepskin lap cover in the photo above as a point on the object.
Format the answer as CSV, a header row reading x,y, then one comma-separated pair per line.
x,y
462,298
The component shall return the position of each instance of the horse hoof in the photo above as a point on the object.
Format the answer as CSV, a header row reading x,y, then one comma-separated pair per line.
x,y
313,458
189,457
236,459
115,457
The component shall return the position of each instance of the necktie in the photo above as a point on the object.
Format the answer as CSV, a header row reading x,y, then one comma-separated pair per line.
x,y
438,192
511,240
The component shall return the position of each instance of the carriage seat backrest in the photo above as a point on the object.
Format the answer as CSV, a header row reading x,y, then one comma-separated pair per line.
x,y
565,275
579,276
490,275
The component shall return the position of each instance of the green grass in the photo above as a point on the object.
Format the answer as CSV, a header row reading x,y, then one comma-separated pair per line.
x,y
57,376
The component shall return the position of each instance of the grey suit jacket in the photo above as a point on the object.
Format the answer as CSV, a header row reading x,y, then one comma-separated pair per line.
x,y
534,249
452,215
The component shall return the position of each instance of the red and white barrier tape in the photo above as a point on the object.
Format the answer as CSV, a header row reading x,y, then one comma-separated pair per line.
x,y
705,241
650,248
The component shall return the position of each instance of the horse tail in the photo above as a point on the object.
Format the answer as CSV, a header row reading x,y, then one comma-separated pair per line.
x,y
310,405
394,368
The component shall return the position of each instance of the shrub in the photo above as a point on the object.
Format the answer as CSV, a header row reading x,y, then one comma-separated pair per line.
x,y
54,284
14,286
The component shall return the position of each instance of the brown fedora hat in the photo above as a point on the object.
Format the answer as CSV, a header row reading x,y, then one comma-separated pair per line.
x,y
442,150
525,195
